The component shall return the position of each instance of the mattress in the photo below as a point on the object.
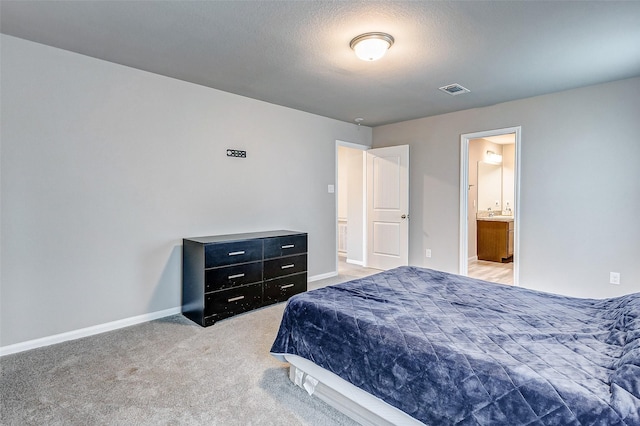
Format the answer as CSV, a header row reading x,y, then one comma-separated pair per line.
x,y
447,349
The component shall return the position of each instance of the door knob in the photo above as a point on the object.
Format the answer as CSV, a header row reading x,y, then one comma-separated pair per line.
x,y
404,216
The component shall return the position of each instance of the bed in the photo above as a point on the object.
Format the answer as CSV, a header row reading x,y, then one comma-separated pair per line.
x,y
418,346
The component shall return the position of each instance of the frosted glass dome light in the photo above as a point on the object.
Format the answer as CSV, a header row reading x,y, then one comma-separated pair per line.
x,y
371,46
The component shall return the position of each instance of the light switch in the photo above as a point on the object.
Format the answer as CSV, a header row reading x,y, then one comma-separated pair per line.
x,y
331,189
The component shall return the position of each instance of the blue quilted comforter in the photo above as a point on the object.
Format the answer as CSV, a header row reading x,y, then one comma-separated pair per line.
x,y
448,349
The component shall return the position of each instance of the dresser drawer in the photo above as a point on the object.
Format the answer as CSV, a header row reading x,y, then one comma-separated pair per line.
x,y
230,302
281,289
282,266
230,253
232,276
285,246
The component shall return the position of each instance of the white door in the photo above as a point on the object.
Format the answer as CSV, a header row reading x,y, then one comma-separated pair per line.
x,y
388,207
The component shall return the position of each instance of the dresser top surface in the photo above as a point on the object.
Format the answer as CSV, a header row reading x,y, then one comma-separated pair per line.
x,y
244,236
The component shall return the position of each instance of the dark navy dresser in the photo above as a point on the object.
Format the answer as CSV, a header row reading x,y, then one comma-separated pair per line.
x,y
224,275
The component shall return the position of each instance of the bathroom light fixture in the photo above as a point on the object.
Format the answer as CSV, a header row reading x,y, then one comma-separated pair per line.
x,y
371,46
493,157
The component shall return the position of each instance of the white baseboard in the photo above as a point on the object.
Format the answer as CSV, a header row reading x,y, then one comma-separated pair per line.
x,y
473,259
322,276
85,332
110,326
355,262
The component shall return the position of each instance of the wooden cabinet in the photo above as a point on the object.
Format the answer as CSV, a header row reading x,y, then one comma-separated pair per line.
x,y
495,240
225,275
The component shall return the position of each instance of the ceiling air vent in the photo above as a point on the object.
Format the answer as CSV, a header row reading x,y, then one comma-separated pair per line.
x,y
454,89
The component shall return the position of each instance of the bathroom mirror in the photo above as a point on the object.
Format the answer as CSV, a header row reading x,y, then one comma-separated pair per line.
x,y
489,186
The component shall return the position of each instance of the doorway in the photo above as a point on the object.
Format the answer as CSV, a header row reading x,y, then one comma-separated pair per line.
x,y
489,205
350,198
372,206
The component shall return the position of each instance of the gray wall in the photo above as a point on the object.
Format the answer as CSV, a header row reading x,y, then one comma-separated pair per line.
x,y
580,186
106,168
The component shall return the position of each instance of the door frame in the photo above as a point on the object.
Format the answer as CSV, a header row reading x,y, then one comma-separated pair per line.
x,y
464,197
363,148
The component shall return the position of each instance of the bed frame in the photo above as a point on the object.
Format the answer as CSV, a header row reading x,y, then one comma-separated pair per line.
x,y
350,400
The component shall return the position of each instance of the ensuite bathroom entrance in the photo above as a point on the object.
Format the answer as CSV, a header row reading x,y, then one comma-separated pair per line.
x,y
491,206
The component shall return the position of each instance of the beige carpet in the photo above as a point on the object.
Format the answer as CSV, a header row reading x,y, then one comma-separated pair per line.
x,y
165,372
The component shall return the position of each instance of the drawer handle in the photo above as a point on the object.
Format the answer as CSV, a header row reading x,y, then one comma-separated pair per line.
x,y
235,299
288,246
282,287
236,253
288,266
236,276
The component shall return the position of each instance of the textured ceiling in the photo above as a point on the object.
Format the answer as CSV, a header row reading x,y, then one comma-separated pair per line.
x,y
297,54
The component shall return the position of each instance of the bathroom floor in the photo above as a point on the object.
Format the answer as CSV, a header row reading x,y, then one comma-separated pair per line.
x,y
491,271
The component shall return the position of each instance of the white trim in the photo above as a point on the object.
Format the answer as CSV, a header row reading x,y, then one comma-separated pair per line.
x,y
322,276
463,268
85,332
365,238
464,198
355,262
518,205
110,326
473,258
351,145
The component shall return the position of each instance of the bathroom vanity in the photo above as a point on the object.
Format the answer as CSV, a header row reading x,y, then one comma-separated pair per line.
x,y
495,238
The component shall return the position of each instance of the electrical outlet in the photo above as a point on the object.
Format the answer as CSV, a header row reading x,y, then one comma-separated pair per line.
x,y
428,253
614,277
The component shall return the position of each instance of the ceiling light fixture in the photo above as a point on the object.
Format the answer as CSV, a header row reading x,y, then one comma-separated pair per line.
x,y
371,46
